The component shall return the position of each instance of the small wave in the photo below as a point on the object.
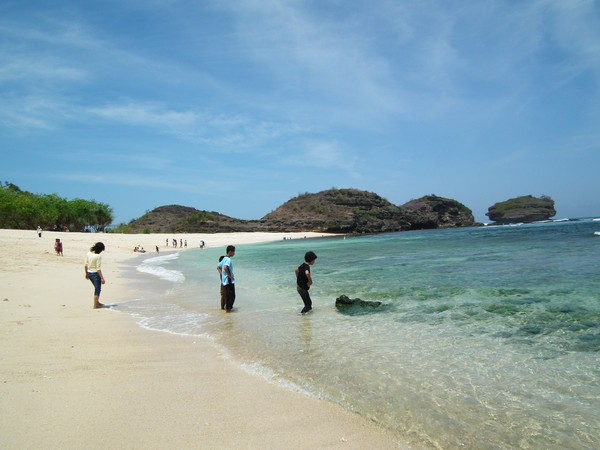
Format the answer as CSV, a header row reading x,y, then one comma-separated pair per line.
x,y
163,273
155,266
273,378
157,260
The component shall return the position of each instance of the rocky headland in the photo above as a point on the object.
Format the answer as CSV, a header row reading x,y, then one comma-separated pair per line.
x,y
345,211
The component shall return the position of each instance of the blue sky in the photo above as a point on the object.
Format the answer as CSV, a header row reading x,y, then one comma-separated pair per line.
x,y
239,106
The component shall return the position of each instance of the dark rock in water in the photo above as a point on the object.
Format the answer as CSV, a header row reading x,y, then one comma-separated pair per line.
x,y
356,306
431,212
524,209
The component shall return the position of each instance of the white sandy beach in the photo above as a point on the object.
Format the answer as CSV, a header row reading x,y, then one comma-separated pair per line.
x,y
75,377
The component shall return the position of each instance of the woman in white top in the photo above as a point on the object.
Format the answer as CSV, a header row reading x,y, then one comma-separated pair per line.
x,y
93,271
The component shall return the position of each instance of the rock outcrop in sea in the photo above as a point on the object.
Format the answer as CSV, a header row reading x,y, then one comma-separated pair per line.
x,y
523,209
432,211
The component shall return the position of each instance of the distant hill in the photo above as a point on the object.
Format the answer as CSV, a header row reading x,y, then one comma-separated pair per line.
x,y
344,211
522,209
183,219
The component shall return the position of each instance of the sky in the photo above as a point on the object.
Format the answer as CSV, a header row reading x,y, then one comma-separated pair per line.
x,y
239,106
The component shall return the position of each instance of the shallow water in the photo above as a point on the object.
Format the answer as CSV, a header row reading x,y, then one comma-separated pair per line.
x,y
486,337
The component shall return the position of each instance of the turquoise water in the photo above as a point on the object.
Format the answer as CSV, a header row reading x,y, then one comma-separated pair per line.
x,y
486,337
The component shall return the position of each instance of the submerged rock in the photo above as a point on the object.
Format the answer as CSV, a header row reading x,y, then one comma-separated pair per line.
x,y
356,305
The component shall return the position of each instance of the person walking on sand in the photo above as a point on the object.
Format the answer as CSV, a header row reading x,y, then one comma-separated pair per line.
x,y
228,278
58,247
304,280
93,271
223,293
39,231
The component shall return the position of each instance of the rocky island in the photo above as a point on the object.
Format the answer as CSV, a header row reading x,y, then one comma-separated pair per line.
x,y
523,209
432,211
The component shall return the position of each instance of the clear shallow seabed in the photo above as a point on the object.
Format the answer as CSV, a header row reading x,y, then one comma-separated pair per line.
x,y
487,337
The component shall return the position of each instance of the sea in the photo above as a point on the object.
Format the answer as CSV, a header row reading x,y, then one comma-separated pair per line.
x,y
471,338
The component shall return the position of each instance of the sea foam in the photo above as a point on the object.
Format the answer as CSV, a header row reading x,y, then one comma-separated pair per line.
x,y
156,267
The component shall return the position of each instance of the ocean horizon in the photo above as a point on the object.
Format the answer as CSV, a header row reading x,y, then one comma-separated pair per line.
x,y
484,337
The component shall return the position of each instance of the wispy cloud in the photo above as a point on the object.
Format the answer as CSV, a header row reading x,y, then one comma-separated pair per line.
x,y
38,69
231,132
146,114
135,180
33,113
323,155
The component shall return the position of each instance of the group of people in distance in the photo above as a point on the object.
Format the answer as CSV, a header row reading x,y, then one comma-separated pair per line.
x,y
93,272
182,243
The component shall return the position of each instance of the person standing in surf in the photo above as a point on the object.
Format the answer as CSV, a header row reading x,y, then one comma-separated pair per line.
x,y
223,293
304,280
228,278
93,271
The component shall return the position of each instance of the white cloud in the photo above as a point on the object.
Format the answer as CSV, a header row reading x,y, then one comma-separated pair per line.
x,y
135,180
323,155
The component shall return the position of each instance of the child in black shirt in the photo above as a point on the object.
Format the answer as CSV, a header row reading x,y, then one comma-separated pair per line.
x,y
304,280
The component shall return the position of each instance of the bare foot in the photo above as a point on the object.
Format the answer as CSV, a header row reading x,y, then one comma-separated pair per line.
x,y
99,305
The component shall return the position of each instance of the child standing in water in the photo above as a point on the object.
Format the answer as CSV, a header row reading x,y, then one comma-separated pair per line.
x,y
304,280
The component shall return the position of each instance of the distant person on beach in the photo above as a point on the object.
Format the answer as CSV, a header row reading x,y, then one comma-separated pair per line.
x,y
93,271
223,293
304,280
58,247
39,231
228,278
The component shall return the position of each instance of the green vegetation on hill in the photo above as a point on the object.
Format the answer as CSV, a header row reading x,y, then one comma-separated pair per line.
x,y
23,210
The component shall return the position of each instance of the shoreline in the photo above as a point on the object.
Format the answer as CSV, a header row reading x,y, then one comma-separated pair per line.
x,y
76,377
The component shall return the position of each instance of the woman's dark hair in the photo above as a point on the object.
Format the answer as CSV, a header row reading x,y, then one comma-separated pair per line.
x,y
310,256
97,248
